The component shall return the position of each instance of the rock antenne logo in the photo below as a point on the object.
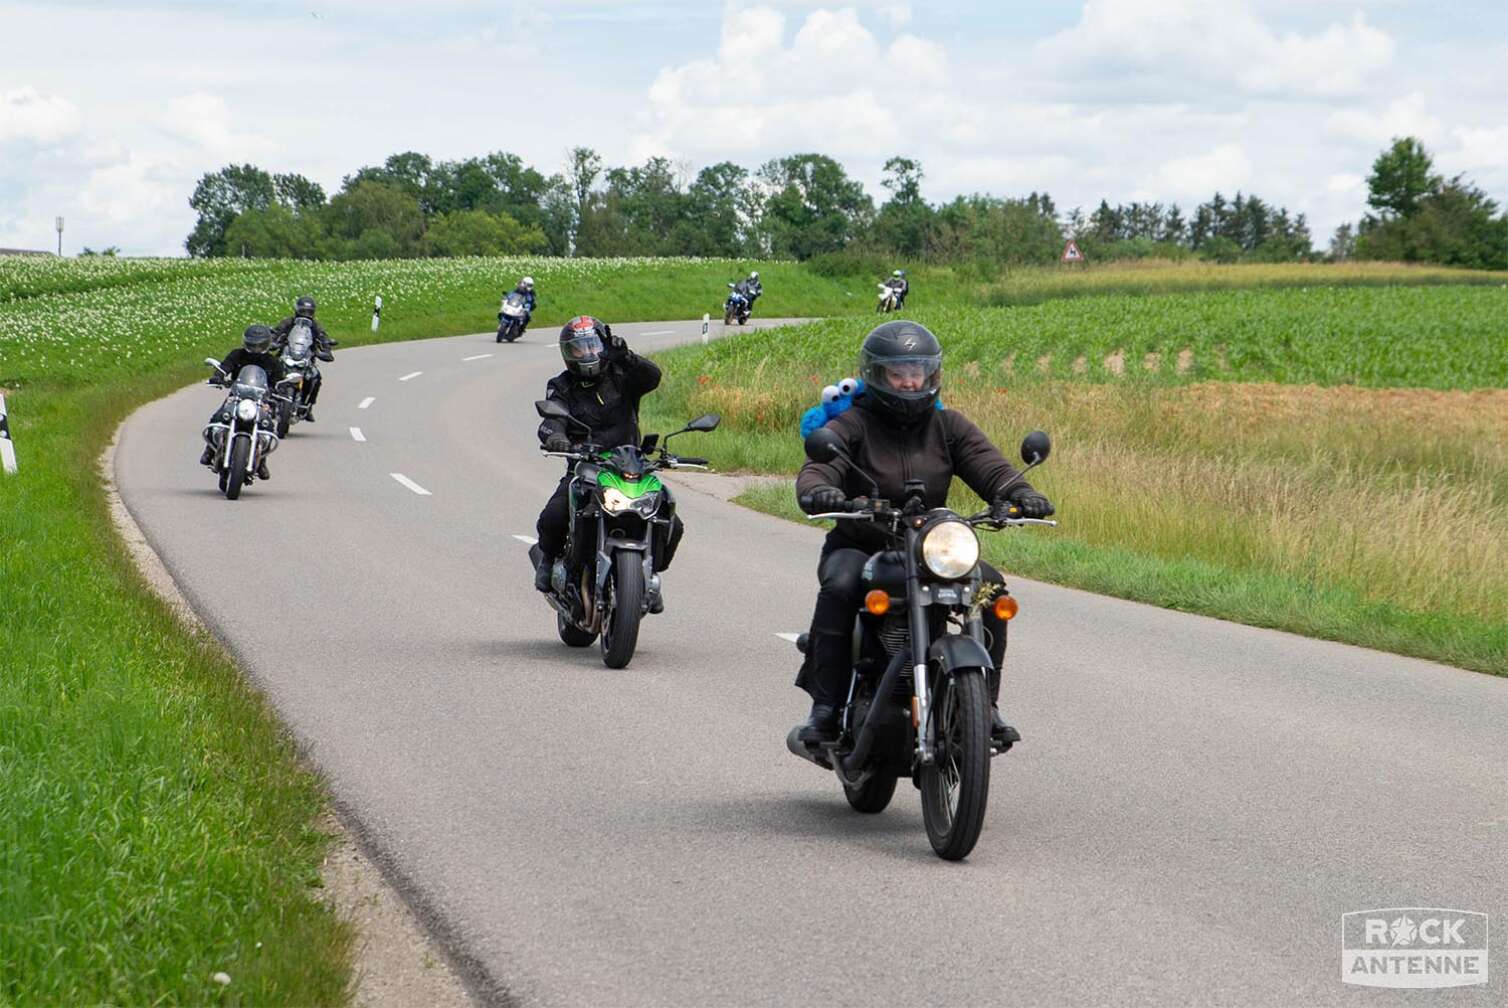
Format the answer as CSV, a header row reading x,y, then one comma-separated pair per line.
x,y
1413,947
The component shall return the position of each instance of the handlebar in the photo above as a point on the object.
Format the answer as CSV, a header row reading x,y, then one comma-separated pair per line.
x,y
861,508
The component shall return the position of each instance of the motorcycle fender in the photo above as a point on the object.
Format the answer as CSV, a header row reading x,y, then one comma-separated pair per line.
x,y
955,651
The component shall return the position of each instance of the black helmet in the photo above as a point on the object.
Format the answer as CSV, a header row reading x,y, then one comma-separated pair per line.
x,y
581,343
901,364
257,338
304,307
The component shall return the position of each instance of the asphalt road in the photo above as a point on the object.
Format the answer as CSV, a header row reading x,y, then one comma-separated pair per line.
x,y
1195,804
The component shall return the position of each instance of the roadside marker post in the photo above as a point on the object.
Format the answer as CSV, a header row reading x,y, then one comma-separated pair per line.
x,y
706,321
376,312
7,450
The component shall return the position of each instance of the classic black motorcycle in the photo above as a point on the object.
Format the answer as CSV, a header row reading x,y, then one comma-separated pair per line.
x,y
606,581
918,702
247,434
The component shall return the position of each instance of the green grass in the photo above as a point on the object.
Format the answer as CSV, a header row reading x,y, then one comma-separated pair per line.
x,y
1372,515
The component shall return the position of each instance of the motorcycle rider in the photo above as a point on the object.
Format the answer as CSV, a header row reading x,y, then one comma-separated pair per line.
x,y
601,387
895,433
255,348
525,289
752,287
898,283
303,308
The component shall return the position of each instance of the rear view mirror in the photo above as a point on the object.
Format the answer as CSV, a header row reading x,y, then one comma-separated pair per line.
x,y
1035,447
705,422
551,409
822,445
212,362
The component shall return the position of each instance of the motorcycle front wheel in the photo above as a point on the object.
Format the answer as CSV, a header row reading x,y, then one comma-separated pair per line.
x,y
625,608
728,317
956,784
235,476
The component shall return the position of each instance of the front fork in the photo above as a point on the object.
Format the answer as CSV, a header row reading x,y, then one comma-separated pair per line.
x,y
921,698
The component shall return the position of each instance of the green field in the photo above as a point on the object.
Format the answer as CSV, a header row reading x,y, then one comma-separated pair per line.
x,y
155,827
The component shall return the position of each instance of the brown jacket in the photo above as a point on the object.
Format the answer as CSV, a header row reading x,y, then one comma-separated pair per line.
x,y
942,445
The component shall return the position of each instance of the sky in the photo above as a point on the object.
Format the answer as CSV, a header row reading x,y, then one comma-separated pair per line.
x,y
111,111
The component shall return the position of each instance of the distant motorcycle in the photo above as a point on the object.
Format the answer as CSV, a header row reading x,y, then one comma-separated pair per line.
x,y
511,316
918,701
300,361
605,582
738,306
890,299
246,435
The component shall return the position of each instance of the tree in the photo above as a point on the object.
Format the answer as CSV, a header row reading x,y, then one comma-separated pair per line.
x,y
1457,225
905,219
1401,177
298,193
1343,242
373,216
219,197
813,205
714,223
479,233
109,251
276,232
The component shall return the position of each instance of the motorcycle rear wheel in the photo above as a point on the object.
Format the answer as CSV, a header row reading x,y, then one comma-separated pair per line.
x,y
873,795
625,608
572,635
285,417
956,784
235,476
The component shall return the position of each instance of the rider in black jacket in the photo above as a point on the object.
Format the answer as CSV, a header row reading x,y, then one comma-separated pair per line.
x,y
601,387
895,433
303,308
255,349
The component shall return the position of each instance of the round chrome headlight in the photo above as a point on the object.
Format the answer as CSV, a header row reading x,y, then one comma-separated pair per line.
x,y
950,549
247,410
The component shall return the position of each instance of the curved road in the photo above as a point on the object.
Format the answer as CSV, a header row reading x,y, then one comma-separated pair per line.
x,y
1195,805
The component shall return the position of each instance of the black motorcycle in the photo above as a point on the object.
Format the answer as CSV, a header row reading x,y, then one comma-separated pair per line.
x,y
300,361
739,305
242,432
608,580
918,700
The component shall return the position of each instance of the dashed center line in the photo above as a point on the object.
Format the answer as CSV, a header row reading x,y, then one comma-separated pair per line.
x,y
356,434
416,488
788,637
526,540
476,357
660,332
367,402
411,374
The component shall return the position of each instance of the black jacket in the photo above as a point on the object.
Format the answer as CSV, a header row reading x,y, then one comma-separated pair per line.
x,y
609,403
941,445
240,357
529,299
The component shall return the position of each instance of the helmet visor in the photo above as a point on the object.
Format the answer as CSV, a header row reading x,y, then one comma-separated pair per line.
x,y
904,377
583,348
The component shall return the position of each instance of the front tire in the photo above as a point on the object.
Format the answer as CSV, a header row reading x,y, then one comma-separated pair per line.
x,y
572,635
620,626
285,417
873,795
728,317
956,784
235,476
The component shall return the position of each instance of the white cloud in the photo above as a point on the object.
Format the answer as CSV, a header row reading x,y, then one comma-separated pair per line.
x,y
30,117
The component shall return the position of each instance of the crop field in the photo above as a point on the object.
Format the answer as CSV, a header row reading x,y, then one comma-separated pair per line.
x,y
1329,461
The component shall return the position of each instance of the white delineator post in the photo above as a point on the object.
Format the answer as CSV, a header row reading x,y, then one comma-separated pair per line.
x,y
376,312
7,450
706,321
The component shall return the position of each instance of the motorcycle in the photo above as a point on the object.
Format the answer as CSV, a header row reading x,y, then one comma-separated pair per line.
x,y
606,581
241,440
737,307
299,360
918,700
511,316
890,299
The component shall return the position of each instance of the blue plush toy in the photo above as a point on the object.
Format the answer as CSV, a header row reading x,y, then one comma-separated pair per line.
x,y
836,400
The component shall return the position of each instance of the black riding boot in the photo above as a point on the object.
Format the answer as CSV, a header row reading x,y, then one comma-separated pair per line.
x,y
999,730
542,573
827,672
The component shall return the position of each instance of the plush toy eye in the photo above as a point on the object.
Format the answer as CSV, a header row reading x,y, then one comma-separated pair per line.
x,y
830,394
848,386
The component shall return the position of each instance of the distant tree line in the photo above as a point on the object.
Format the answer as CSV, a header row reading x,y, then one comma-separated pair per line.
x,y
803,206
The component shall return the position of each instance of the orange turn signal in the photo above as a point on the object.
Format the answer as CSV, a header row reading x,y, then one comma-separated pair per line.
x,y
877,602
1006,607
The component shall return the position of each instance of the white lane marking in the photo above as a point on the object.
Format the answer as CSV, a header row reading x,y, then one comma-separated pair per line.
x,y
416,488
660,332
356,434
526,540
477,357
367,402
788,637
411,374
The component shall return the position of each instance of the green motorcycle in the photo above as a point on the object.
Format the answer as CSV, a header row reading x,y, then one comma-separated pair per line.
x,y
608,580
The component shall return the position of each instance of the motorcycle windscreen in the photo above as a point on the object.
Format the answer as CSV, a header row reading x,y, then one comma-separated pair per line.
x,y
253,377
300,340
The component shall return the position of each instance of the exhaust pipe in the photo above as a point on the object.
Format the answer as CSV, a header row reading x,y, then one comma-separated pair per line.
x,y
808,753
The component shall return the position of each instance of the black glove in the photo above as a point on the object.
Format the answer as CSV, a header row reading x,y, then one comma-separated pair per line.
x,y
614,346
824,498
557,443
1031,503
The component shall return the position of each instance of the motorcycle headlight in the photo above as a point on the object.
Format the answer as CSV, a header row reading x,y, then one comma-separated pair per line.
x,y
950,549
614,501
247,410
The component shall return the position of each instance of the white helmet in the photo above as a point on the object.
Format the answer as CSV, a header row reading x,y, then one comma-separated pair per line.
x,y
754,274
527,282
896,273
